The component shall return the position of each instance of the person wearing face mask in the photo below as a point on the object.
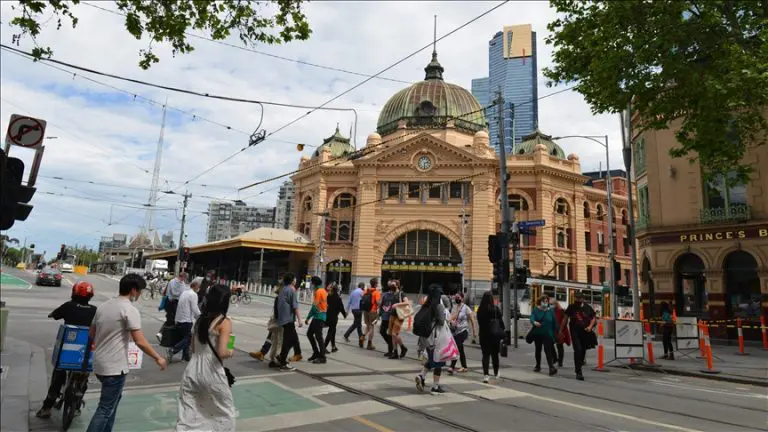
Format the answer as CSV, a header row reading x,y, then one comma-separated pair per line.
x,y
461,320
580,318
563,336
544,330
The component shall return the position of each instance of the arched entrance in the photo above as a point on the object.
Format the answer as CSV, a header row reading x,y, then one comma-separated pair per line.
x,y
645,277
690,285
742,285
339,271
420,258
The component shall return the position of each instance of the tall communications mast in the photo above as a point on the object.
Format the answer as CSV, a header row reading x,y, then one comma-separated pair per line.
x,y
150,219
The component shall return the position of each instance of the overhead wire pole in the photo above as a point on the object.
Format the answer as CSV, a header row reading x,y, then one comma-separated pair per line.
x,y
181,233
504,237
626,135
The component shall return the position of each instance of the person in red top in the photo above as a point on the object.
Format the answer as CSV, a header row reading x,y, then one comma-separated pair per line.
x,y
563,337
372,295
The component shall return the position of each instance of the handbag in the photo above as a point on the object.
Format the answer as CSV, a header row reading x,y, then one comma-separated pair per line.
x,y
163,302
230,377
529,336
445,346
404,311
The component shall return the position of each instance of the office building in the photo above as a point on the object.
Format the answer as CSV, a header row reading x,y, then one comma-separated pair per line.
x,y
115,241
229,219
284,210
512,68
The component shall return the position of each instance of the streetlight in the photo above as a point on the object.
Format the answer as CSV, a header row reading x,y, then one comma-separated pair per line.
x,y
609,190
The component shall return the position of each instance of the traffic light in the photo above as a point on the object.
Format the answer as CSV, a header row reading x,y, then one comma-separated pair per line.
x,y
185,254
521,276
14,197
497,272
32,246
62,253
494,249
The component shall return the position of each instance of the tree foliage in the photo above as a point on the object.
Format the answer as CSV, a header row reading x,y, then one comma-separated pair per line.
x,y
704,63
172,21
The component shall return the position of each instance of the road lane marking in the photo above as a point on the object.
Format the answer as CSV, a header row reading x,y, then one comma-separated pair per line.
x,y
372,425
701,389
322,390
614,414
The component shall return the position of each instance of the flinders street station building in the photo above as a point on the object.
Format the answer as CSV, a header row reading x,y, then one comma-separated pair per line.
x,y
419,201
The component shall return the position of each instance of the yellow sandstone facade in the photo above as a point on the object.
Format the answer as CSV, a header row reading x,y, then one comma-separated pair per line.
x,y
394,208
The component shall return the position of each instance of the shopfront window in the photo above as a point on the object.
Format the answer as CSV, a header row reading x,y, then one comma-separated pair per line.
x,y
742,285
690,285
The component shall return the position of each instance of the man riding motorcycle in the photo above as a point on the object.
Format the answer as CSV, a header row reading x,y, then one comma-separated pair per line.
x,y
77,312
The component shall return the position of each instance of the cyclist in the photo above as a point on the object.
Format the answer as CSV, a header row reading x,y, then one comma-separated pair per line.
x,y
74,312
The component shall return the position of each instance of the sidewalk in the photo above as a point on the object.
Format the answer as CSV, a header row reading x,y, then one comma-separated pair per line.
x,y
23,386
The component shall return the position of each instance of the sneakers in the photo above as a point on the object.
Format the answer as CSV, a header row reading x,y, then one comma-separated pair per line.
x,y
334,349
44,413
320,360
419,383
498,375
273,365
287,368
552,371
346,338
579,376
312,358
370,346
257,355
486,379
296,358
159,337
436,390
537,369
169,355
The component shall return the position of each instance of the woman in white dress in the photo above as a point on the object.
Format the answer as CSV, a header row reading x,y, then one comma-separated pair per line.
x,y
205,398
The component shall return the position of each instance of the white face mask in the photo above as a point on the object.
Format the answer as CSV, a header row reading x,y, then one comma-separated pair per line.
x,y
544,304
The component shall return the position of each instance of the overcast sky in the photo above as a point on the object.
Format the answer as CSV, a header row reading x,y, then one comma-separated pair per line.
x,y
105,135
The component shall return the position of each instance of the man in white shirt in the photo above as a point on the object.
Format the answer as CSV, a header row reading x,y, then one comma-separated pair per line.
x,y
115,325
175,287
186,315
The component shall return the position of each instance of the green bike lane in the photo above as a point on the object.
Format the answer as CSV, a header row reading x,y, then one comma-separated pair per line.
x,y
8,281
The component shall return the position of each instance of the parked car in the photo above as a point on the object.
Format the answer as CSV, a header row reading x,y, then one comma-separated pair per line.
x,y
49,276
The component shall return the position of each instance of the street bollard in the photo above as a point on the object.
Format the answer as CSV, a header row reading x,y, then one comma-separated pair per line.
x,y
764,329
708,346
740,333
600,348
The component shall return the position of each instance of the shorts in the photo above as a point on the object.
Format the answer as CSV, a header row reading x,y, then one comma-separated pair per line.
x,y
370,317
395,325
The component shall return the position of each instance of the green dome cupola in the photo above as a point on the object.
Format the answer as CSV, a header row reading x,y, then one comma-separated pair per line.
x,y
528,145
337,144
430,104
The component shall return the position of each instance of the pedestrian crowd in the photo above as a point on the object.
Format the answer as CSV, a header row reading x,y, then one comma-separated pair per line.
x,y
197,326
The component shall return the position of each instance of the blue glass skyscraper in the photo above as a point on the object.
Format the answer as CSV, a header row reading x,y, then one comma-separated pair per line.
x,y
512,69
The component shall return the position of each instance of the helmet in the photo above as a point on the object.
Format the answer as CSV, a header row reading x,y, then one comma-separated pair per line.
x,y
82,289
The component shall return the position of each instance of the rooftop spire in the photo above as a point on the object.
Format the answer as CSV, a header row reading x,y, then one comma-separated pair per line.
x,y
434,69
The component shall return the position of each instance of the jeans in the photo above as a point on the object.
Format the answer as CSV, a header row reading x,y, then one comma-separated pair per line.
x,y
186,333
290,340
383,332
330,338
560,354
490,350
315,336
103,419
666,338
460,339
543,342
579,341
357,324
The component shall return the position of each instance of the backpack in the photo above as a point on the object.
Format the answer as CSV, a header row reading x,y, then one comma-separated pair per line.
x,y
422,322
366,303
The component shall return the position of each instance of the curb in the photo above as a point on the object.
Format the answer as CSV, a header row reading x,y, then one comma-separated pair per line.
x,y
723,378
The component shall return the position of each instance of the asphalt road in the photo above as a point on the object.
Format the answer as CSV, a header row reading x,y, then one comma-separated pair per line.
x,y
359,390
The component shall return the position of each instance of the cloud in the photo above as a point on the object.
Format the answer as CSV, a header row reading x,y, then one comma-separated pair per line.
x,y
107,136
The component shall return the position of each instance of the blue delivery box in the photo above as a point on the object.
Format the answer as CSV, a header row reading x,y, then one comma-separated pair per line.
x,y
71,347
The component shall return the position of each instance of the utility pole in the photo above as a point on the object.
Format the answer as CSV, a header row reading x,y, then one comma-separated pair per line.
x,y
187,195
504,237
261,265
321,251
626,135
464,218
611,249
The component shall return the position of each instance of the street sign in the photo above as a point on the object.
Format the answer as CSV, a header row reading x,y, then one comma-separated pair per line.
x,y
519,259
531,223
25,131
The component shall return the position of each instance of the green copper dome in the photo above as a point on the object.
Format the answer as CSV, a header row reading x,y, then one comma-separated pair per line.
x,y
431,104
529,143
337,144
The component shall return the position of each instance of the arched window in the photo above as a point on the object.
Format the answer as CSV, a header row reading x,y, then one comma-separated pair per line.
x,y
561,239
624,220
422,244
517,202
600,212
561,206
344,200
586,209
307,205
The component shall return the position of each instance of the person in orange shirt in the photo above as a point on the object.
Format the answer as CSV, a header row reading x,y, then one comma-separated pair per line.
x,y
369,304
318,314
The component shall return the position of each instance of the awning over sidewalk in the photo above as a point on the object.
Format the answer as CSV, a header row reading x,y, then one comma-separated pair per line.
x,y
260,238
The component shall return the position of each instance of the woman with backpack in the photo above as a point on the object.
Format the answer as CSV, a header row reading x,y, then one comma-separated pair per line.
x,y
491,333
438,317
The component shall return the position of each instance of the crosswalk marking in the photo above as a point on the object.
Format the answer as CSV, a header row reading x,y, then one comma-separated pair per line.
x,y
494,393
421,400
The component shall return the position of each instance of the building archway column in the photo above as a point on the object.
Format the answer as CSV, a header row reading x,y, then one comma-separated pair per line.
x,y
715,294
364,266
763,274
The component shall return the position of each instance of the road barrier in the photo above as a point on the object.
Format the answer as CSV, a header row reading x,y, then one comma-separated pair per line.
x,y
710,367
600,348
740,333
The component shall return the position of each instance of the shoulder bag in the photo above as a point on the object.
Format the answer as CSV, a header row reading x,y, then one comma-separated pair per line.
x,y
230,377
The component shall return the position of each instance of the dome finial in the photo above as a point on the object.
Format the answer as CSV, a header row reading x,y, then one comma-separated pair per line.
x,y
434,69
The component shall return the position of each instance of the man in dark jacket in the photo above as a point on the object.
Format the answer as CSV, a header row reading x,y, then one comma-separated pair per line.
x,y
210,280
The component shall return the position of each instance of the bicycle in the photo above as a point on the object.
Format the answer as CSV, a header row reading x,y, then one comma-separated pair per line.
x,y
153,287
71,400
243,298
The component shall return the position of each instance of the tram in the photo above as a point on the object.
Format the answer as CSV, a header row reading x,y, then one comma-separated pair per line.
x,y
597,296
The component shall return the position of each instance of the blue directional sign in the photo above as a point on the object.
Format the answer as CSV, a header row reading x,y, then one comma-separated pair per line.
x,y
531,223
